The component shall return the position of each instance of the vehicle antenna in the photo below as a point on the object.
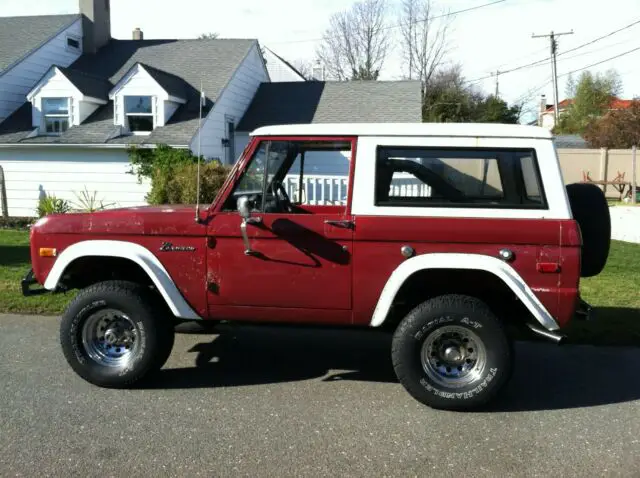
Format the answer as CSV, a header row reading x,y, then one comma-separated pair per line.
x,y
202,100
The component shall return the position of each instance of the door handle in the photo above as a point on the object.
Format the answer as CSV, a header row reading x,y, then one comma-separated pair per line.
x,y
343,223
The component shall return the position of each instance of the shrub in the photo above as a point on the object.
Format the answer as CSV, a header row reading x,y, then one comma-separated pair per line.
x,y
173,175
181,187
49,204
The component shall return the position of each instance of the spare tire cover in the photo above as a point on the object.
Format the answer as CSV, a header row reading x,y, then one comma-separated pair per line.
x,y
590,209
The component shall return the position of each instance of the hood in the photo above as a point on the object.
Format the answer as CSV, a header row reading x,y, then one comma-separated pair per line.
x,y
176,220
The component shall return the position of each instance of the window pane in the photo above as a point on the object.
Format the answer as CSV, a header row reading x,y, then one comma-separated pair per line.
x,y
325,174
530,179
73,43
56,106
254,174
137,104
56,125
457,178
141,124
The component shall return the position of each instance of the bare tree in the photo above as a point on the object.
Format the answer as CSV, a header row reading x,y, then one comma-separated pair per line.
x,y
208,36
423,39
355,45
304,68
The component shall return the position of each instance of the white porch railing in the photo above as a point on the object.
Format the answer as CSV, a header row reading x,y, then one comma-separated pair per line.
x,y
324,190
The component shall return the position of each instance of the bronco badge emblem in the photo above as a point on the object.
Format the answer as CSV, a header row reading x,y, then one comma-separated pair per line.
x,y
168,247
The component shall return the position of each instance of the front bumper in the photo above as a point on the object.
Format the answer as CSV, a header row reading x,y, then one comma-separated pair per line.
x,y
26,283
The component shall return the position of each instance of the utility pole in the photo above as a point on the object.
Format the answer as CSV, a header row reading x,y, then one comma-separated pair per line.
x,y
554,70
497,83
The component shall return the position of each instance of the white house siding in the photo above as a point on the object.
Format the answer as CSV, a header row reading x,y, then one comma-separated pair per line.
x,y
19,80
279,70
170,107
32,172
231,105
85,109
242,140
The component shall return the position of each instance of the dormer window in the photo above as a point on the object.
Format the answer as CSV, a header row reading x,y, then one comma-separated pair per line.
x,y
55,113
139,114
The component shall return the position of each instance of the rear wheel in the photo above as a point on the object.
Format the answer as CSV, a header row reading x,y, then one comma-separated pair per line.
x,y
113,334
451,352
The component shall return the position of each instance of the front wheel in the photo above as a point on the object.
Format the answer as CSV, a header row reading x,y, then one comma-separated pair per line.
x,y
113,334
452,353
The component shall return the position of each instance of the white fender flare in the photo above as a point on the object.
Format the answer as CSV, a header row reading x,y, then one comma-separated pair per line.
x,y
461,261
126,250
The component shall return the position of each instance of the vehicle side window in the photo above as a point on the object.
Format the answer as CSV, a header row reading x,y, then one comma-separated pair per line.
x,y
320,177
298,173
431,177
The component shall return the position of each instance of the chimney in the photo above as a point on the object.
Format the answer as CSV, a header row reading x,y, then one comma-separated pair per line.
x,y
542,109
543,104
137,34
96,24
317,72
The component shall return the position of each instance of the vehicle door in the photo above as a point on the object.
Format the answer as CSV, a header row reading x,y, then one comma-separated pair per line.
x,y
280,244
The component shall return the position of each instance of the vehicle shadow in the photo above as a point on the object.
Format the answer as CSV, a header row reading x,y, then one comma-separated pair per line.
x,y
546,376
250,355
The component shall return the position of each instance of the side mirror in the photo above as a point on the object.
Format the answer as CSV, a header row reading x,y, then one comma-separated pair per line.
x,y
245,214
243,207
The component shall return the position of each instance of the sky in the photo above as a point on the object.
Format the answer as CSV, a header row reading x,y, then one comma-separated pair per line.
x,y
483,40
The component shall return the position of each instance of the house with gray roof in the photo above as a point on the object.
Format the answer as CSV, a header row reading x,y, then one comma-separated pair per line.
x,y
331,102
73,101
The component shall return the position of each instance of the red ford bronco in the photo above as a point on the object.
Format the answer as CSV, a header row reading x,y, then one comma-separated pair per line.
x,y
449,235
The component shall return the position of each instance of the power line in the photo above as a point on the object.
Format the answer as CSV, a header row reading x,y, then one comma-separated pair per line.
x,y
398,25
600,38
600,62
544,60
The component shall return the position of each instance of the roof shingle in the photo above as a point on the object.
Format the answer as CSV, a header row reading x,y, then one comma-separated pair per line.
x,y
19,36
88,85
180,66
333,102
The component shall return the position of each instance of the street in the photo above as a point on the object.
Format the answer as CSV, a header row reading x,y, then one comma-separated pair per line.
x,y
286,402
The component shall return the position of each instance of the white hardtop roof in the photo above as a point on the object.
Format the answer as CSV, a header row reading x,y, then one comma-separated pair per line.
x,y
479,130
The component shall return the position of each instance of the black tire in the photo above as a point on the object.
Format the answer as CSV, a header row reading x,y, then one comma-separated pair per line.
x,y
154,329
590,209
465,317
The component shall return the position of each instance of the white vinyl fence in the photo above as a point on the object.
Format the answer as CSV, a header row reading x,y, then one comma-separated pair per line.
x,y
324,190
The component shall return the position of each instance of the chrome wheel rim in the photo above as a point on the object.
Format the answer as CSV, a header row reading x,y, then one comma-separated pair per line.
x,y
110,338
453,356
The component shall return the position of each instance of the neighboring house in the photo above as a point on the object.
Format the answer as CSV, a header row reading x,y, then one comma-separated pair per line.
x,y
331,102
74,101
69,126
279,68
546,116
326,173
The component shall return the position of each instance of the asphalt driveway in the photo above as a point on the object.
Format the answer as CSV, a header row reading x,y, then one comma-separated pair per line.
x,y
286,402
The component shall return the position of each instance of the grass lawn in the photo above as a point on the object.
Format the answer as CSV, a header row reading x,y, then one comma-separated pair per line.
x,y
615,293
14,264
